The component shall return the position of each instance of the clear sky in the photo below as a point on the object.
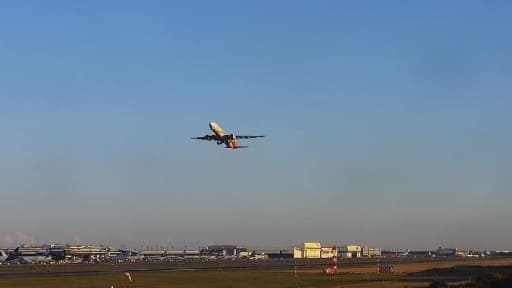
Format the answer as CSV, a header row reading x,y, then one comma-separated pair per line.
x,y
387,123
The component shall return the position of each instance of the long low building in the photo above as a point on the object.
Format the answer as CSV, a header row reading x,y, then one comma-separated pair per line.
x,y
314,250
153,253
223,250
371,252
86,253
350,251
31,250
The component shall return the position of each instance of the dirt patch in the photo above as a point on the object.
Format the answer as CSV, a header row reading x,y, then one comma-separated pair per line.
x,y
415,267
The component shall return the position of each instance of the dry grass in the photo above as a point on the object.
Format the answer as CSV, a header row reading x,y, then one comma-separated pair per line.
x,y
351,277
213,279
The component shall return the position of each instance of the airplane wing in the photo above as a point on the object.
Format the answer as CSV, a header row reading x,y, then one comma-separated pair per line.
x,y
206,137
248,137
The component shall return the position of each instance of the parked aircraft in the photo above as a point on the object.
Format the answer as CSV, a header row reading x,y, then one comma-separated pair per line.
x,y
229,140
255,256
396,253
35,259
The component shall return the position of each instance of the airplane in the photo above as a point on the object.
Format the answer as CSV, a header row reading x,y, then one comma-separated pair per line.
x,y
260,256
36,259
230,140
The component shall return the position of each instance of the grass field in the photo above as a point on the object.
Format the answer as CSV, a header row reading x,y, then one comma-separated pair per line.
x,y
414,274
217,279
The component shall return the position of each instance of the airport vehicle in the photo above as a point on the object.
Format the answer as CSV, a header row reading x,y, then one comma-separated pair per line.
x,y
229,140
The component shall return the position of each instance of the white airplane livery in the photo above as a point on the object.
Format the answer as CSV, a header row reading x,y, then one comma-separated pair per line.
x,y
229,140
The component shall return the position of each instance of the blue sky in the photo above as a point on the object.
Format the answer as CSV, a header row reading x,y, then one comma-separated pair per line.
x,y
387,122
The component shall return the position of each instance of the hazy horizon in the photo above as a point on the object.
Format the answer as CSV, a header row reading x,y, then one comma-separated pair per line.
x,y
387,123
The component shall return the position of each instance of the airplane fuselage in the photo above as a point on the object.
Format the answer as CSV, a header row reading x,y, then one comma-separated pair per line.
x,y
223,138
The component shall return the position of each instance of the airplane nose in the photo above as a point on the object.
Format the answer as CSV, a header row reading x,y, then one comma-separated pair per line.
x,y
212,124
